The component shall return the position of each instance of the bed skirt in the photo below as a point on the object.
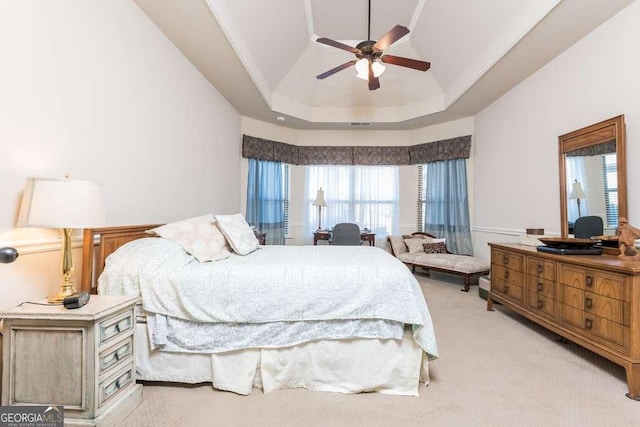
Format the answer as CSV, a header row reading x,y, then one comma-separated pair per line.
x,y
346,366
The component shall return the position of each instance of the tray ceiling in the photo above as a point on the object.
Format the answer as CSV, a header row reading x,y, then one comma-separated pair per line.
x,y
263,57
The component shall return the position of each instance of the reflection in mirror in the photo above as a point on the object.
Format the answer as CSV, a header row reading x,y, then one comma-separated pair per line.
x,y
592,185
593,175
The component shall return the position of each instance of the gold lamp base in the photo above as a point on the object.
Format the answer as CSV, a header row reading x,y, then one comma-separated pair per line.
x,y
67,287
66,290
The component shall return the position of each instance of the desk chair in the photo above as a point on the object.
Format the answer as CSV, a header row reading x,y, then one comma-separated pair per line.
x,y
345,234
586,227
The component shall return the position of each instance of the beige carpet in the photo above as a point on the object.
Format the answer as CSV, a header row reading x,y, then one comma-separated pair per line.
x,y
495,369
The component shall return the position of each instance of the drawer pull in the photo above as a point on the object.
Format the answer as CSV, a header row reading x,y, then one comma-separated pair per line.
x,y
540,287
506,274
588,302
116,356
540,303
588,324
505,259
589,281
110,330
506,288
121,382
540,268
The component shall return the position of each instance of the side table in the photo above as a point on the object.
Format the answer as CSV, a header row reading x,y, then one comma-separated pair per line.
x,y
82,359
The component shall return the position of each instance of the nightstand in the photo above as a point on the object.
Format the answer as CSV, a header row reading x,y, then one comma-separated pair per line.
x,y
82,359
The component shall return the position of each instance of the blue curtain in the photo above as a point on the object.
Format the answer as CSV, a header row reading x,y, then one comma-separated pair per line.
x,y
447,206
265,199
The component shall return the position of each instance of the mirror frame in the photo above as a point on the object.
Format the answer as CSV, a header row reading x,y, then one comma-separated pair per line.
x,y
607,130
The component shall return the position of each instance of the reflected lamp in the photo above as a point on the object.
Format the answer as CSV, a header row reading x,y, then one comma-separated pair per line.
x,y
320,203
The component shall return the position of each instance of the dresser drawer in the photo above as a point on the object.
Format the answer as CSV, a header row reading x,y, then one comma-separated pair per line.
x,y
602,283
542,305
114,327
608,331
115,354
508,260
114,384
507,289
544,287
608,308
541,268
503,274
596,328
571,296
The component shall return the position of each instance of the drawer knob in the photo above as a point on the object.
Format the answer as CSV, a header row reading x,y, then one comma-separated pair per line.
x,y
506,274
540,268
589,281
588,324
588,302
506,288
540,287
505,259
540,303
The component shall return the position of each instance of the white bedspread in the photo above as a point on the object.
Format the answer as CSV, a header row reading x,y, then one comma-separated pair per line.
x,y
273,284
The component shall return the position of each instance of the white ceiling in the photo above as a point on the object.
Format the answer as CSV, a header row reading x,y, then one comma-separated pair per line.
x,y
263,57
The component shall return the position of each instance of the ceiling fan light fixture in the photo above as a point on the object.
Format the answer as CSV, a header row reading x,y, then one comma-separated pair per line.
x,y
362,67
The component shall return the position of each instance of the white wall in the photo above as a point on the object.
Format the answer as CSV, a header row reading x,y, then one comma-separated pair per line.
x,y
516,138
95,90
408,174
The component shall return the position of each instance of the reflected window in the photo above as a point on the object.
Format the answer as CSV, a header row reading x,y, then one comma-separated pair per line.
x,y
610,177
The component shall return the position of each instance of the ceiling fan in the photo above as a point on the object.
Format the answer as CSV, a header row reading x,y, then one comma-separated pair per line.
x,y
370,54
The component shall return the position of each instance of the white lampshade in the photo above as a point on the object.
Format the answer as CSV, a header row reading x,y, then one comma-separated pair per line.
x,y
61,203
576,192
320,199
362,67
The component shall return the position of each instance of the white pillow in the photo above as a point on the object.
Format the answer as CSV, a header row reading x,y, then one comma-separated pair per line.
x,y
199,236
238,233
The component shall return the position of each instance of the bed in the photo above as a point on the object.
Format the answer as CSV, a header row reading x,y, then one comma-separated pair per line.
x,y
346,319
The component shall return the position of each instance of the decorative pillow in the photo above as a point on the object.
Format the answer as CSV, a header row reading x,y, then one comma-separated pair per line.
x,y
415,244
397,245
199,236
435,248
238,233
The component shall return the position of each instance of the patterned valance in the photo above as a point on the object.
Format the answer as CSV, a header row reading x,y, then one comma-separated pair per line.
x,y
594,150
448,149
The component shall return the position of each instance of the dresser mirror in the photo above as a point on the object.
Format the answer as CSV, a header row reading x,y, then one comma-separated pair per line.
x,y
593,175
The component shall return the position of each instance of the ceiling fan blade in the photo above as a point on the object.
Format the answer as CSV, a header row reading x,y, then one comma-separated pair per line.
x,y
374,83
335,70
394,34
406,62
339,45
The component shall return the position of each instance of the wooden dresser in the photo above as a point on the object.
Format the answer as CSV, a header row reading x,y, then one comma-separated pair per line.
x,y
593,301
82,359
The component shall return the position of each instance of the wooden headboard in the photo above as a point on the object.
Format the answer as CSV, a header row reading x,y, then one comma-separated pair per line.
x,y
99,243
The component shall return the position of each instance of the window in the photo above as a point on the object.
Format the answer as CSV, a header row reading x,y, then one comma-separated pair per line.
x,y
610,178
365,195
286,184
422,202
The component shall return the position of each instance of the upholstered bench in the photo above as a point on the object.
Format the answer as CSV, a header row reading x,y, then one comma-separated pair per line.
x,y
469,267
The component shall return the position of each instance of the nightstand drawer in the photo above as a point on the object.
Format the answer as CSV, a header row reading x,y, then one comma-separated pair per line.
x,y
116,326
113,355
114,384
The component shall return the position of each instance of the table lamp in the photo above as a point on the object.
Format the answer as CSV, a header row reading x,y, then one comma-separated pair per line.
x,y
64,204
577,194
320,203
